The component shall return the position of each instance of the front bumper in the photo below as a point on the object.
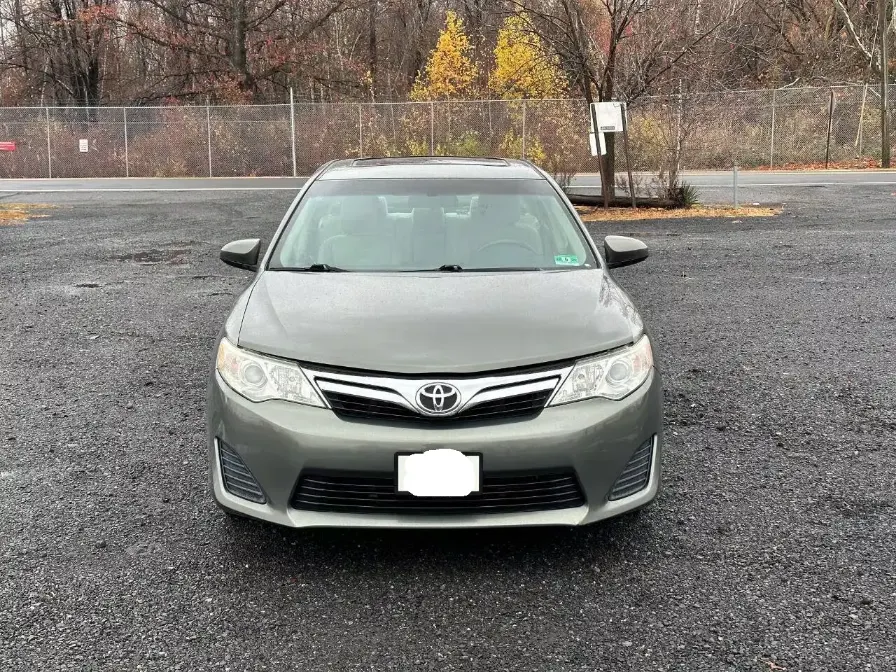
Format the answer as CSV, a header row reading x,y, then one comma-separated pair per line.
x,y
277,440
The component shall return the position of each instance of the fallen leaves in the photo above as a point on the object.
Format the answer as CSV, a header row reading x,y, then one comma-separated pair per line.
x,y
858,163
589,214
18,213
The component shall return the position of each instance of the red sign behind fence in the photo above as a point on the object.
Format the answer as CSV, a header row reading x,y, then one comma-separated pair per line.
x,y
7,146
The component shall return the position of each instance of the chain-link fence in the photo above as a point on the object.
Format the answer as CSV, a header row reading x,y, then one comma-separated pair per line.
x,y
767,128
755,129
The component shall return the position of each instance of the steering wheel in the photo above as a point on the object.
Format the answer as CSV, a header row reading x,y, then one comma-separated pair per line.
x,y
514,243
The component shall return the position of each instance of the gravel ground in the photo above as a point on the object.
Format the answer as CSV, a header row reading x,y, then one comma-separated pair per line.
x,y
770,549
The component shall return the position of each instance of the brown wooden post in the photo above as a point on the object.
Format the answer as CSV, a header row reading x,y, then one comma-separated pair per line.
x,y
628,156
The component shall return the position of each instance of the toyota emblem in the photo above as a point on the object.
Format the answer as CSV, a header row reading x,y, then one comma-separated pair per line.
x,y
438,398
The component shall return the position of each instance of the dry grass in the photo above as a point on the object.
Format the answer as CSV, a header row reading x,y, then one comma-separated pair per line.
x,y
589,214
859,163
19,213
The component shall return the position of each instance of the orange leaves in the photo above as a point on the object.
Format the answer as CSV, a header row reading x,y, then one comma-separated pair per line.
x,y
97,14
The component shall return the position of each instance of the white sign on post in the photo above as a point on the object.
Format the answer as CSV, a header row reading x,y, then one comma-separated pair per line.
x,y
82,144
595,138
610,116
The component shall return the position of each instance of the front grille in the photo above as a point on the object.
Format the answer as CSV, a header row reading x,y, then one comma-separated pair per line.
x,y
365,408
507,493
238,480
636,474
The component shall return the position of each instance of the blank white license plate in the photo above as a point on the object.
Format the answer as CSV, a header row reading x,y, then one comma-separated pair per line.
x,y
438,473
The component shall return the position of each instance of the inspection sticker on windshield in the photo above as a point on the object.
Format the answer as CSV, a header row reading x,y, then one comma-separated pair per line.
x,y
439,473
566,260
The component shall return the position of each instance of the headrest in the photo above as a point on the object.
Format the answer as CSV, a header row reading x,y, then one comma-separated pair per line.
x,y
426,219
499,208
420,201
361,214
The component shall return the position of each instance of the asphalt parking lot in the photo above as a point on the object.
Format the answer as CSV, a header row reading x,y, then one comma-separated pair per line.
x,y
770,549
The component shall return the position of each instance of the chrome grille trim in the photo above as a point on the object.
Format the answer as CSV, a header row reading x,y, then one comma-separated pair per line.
x,y
515,390
403,391
367,393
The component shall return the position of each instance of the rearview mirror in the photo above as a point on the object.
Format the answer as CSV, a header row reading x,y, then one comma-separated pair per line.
x,y
242,254
622,251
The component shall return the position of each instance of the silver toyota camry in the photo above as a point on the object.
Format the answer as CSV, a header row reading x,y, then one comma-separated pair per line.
x,y
433,342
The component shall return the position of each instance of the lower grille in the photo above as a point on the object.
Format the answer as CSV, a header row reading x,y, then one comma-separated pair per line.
x,y
364,408
238,480
636,474
507,493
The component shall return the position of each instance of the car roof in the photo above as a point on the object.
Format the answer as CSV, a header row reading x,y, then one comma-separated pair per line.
x,y
411,167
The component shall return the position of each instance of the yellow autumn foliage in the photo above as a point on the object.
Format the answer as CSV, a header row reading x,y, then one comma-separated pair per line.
x,y
526,72
512,146
524,68
449,72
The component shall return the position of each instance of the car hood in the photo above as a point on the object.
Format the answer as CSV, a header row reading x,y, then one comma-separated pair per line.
x,y
436,323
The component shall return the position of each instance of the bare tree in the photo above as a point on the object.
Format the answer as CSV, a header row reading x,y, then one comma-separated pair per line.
x,y
864,38
624,48
94,51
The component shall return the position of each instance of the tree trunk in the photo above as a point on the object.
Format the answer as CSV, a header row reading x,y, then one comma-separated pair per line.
x,y
589,101
371,48
238,56
610,170
608,90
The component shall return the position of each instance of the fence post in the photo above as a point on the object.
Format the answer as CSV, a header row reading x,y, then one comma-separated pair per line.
x,y
885,86
127,166
432,128
208,125
860,133
49,149
736,197
490,130
292,128
524,130
827,151
678,124
771,158
360,132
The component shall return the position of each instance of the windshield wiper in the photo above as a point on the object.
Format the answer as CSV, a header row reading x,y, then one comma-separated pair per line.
x,y
455,268
313,268
496,269
445,268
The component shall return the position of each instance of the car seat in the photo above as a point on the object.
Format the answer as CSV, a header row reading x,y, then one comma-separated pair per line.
x,y
429,237
435,235
366,239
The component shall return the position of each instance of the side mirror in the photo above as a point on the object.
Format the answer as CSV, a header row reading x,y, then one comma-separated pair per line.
x,y
242,254
622,251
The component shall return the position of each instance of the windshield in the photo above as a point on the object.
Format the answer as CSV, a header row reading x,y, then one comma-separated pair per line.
x,y
431,224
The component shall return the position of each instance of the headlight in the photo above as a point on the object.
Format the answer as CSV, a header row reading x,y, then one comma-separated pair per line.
x,y
612,376
259,378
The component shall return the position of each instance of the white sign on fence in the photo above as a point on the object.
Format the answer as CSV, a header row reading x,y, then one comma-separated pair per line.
x,y
610,116
82,144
